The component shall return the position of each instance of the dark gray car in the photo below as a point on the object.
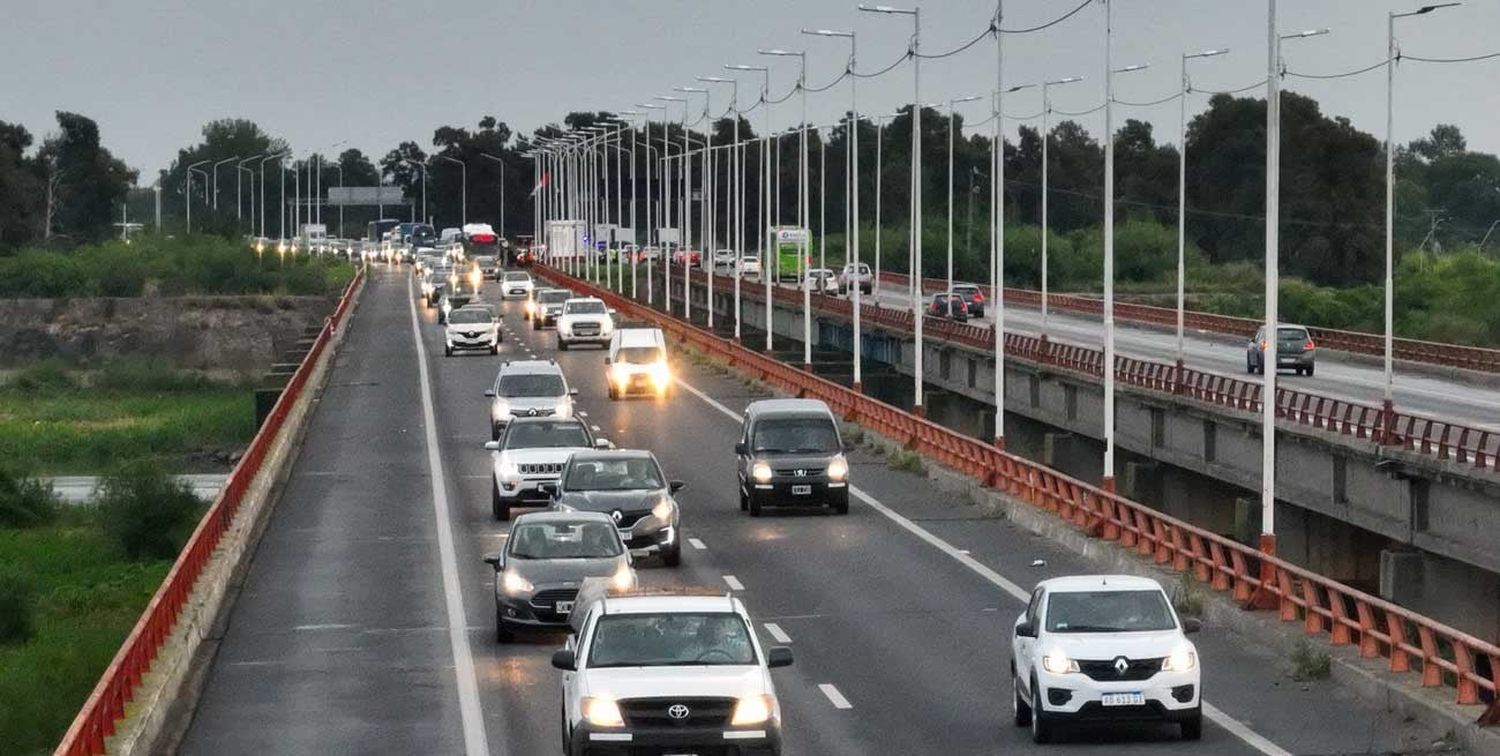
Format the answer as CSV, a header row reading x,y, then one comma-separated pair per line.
x,y
629,486
790,454
547,557
1294,349
549,307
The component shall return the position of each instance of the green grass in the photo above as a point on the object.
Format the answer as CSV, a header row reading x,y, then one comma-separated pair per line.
x,y
86,601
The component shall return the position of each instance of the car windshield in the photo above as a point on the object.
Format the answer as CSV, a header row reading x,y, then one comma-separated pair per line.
x,y
517,277
484,261
619,474
671,640
584,308
640,355
468,316
530,384
801,435
564,540
558,435
1108,612
555,297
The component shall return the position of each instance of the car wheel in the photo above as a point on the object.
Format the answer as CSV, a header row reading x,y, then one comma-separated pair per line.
x,y
1249,367
1041,730
1192,728
498,506
755,506
562,346
744,501
494,432
841,505
673,558
1309,371
503,634
495,349
1020,711
536,324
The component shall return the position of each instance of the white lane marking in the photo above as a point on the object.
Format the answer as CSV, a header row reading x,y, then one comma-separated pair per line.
x,y
697,544
476,743
733,583
1214,714
835,697
594,428
777,633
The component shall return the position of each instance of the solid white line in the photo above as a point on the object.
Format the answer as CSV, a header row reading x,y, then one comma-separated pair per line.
x,y
697,544
734,583
1213,713
476,743
835,697
777,633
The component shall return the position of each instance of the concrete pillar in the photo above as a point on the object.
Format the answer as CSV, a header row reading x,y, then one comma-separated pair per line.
x,y
1143,482
1054,447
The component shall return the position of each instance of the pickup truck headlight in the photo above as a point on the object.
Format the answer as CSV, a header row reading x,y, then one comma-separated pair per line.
x,y
1058,663
761,472
663,509
619,373
1183,659
661,375
753,710
516,585
602,712
838,469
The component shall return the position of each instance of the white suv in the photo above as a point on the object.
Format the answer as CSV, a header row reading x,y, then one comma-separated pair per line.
x,y
1103,648
584,320
668,674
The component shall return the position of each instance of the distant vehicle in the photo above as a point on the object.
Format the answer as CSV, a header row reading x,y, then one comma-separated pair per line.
x,y
1101,648
822,281
471,327
530,453
630,486
650,254
547,556
450,235
672,673
788,253
584,320
637,363
1295,349
629,253
528,388
790,453
515,284
480,240
724,258
948,305
861,276
313,237
549,307
489,266
749,266
376,230
692,256
973,298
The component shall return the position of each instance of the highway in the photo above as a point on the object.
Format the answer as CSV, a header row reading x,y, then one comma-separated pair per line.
x,y
366,617
1467,402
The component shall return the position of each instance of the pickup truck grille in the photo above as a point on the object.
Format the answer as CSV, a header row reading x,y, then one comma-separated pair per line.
x,y
586,329
653,712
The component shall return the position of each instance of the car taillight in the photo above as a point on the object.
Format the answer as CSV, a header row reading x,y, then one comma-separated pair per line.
x,y
978,296
484,238
1309,346
963,306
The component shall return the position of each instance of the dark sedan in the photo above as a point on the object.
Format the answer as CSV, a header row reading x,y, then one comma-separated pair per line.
x,y
948,305
628,485
1295,350
547,557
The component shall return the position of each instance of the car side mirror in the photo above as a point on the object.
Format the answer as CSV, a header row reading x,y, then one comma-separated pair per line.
x,y
778,656
612,311
676,485
572,392
548,489
603,443
739,448
489,393
492,446
565,660
1191,625
848,447
496,560
1025,630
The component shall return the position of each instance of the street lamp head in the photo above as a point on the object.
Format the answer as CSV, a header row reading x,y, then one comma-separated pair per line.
x,y
1136,67
887,9
745,68
1064,80
783,53
957,100
693,90
715,79
828,33
669,98
650,106
1018,88
1206,53
1306,33
1426,9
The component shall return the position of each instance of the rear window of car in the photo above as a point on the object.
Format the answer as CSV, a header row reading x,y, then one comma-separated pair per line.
x,y
553,297
1290,334
967,290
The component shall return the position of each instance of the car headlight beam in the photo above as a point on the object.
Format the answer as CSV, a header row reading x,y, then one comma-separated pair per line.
x,y
663,509
838,469
753,710
623,579
1058,663
602,712
761,472
1182,659
514,584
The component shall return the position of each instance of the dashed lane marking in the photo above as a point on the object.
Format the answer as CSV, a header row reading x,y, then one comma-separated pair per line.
x,y
733,583
776,632
697,544
835,697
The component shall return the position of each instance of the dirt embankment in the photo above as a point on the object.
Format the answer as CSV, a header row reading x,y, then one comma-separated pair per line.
x,y
243,334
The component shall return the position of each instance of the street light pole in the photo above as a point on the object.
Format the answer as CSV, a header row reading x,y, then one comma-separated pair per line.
x,y
225,161
735,194
687,255
1182,192
764,191
1046,140
463,186
187,195
952,127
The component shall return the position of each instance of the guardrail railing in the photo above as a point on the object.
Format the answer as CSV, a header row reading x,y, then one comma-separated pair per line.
x,y
1436,437
1345,616
115,689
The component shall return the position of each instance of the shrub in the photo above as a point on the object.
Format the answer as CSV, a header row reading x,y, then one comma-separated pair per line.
x,y
1310,663
1188,597
139,375
146,513
16,606
25,502
41,378
907,461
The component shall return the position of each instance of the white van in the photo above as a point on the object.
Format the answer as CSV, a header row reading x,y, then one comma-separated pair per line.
x,y
637,363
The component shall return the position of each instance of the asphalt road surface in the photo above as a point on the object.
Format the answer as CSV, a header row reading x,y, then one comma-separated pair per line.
x,y
366,619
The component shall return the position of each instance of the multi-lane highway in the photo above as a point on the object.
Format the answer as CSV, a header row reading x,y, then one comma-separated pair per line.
x,y
365,621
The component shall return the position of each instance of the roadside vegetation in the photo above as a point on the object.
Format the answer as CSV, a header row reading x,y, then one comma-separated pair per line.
x,y
163,266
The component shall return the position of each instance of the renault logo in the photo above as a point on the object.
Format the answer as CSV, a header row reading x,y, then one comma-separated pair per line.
x,y
678,712
531,412
616,516
1122,665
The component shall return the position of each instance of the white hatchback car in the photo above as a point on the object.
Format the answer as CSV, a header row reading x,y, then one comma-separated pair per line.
x,y
1104,648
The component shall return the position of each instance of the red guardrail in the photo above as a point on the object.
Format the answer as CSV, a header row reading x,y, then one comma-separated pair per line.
x,y
1356,342
1408,641
1435,437
116,687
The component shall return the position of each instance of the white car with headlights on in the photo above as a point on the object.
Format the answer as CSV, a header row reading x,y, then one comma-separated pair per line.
x,y
528,388
529,459
584,320
471,327
547,557
1104,648
668,674
515,284
637,363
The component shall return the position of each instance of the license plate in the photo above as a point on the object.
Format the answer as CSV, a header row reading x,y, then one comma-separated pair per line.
x,y
564,607
1122,699
801,490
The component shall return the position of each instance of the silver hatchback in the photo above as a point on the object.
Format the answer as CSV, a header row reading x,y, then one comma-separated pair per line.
x,y
1295,350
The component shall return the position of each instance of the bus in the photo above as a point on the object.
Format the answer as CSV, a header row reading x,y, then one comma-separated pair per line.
x,y
789,246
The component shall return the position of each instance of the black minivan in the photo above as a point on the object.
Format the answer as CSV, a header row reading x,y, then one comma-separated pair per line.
x,y
790,454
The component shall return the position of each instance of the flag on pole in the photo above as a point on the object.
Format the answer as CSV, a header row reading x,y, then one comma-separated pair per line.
x,y
540,185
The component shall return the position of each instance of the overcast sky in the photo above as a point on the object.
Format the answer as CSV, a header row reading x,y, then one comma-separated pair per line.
x,y
318,72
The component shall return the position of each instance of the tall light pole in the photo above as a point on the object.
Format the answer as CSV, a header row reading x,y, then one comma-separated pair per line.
x,y
1046,140
851,194
187,194
737,200
272,156
225,161
952,127
463,187
1388,411
422,166
997,238
804,205
684,213
239,185
340,168
650,217
879,190
501,162
687,205
761,246
1182,191
916,193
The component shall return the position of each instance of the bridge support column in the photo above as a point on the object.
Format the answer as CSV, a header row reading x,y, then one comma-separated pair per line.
x,y
1054,446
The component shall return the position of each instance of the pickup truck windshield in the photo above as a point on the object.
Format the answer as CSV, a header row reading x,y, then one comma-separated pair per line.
x,y
671,640
584,308
1108,612
518,276
811,435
